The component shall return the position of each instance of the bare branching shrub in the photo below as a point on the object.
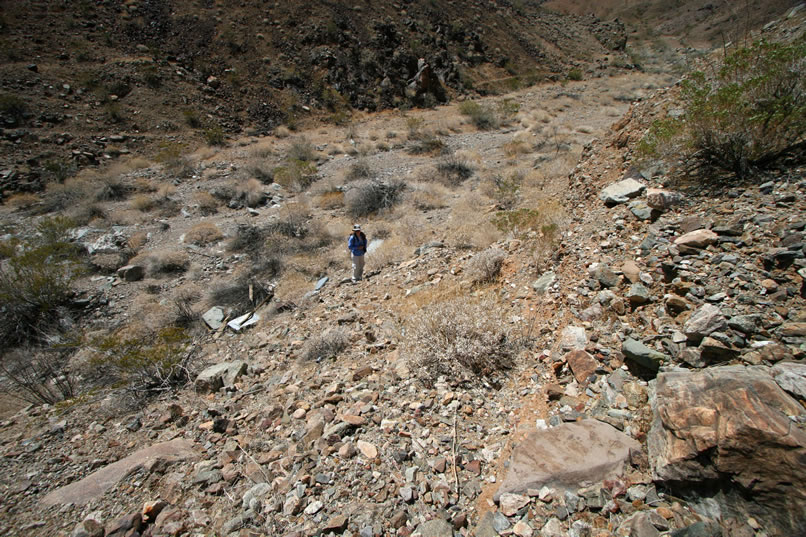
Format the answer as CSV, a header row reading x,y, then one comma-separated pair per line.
x,y
183,300
485,266
325,345
247,238
368,197
261,170
248,289
145,365
203,233
301,149
463,340
453,170
251,193
36,282
41,374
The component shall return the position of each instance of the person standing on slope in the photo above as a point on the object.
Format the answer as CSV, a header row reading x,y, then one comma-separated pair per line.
x,y
357,245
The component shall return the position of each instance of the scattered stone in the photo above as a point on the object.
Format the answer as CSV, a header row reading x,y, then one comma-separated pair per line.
x,y
435,528
701,238
604,275
573,337
643,355
706,320
791,377
662,200
512,503
542,284
214,317
638,294
367,450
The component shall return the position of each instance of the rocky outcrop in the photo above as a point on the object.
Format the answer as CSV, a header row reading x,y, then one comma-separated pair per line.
x,y
729,432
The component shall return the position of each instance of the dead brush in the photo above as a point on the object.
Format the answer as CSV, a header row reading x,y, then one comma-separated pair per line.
x,y
468,342
485,266
203,233
326,345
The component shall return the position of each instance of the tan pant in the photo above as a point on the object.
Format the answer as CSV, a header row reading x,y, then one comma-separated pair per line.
x,y
358,266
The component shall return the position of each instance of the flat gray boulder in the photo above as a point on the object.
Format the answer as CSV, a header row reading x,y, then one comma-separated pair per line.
x,y
214,317
566,457
220,375
621,192
791,377
98,482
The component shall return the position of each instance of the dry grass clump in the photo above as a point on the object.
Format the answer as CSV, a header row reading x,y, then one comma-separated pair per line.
x,y
207,203
428,196
22,201
332,199
485,266
465,341
391,252
261,170
137,240
282,132
301,149
325,345
162,262
203,233
143,202
516,148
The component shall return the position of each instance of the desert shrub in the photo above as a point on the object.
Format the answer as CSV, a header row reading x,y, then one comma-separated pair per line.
x,y
292,224
203,233
36,282
485,266
301,149
483,117
295,175
145,364
744,113
462,340
575,75
326,345
247,238
250,193
41,375
282,132
192,118
207,203
453,170
261,171
359,170
183,300
368,197
163,262
242,293
12,107
111,188
143,202
505,189
517,221
425,144
215,136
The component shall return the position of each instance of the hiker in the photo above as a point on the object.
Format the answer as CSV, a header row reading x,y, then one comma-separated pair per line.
x,y
357,244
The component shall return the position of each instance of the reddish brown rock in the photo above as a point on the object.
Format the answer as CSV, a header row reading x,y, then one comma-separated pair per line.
x,y
730,425
582,364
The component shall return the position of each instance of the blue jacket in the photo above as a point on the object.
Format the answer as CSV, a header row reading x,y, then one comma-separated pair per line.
x,y
357,245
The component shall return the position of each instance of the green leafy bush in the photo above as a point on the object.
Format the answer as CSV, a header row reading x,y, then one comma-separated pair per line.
x,y
36,281
215,136
743,113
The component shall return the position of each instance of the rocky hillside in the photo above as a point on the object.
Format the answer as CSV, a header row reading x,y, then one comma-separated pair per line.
x,y
555,336
82,83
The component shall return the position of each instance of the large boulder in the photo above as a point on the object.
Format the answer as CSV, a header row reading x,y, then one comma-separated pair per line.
x,y
567,456
727,431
